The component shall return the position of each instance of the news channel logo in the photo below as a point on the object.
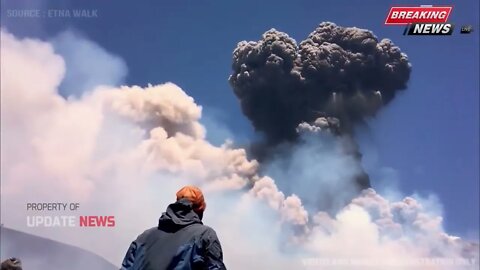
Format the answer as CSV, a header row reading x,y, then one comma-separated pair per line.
x,y
424,20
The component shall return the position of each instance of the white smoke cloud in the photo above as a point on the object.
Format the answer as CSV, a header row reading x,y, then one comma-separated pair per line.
x,y
89,65
317,169
124,151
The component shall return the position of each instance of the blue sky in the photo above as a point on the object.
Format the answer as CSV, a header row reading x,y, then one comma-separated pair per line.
x,y
426,141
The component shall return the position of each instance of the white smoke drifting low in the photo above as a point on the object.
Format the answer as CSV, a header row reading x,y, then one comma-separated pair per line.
x,y
125,151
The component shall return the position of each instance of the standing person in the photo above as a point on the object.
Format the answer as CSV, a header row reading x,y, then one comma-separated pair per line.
x,y
180,241
11,264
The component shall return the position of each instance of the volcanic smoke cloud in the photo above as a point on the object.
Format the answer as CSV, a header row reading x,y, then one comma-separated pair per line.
x,y
336,77
337,71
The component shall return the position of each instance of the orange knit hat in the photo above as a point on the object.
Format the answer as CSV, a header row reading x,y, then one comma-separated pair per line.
x,y
193,194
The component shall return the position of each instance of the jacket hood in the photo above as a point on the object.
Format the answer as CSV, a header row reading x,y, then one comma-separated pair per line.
x,y
179,214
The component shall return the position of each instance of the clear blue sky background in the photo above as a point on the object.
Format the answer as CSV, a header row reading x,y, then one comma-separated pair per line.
x,y
429,135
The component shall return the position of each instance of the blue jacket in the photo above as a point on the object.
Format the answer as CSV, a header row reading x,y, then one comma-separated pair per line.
x,y
180,242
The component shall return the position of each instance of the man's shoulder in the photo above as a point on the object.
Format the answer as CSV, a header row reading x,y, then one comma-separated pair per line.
x,y
146,233
208,229
199,229
208,234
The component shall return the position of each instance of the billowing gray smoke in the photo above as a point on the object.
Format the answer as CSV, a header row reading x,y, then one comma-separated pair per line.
x,y
339,73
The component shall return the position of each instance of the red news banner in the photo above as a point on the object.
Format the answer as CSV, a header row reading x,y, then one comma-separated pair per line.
x,y
422,14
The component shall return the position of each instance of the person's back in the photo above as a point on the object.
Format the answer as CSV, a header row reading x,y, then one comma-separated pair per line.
x,y
180,241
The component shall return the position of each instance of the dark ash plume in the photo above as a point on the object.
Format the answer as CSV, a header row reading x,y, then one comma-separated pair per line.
x,y
340,72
